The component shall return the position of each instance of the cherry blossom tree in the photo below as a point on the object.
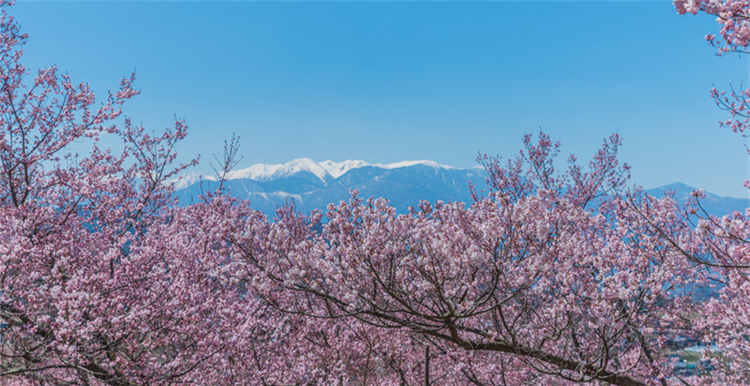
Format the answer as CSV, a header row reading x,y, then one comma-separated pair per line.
x,y
103,279
733,17
548,278
545,276
720,243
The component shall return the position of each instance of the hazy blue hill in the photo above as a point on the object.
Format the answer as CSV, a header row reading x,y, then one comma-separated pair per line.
x,y
714,204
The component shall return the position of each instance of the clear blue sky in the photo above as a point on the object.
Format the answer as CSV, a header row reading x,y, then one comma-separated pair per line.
x,y
390,81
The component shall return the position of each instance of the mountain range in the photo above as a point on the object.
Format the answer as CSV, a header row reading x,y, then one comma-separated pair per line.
x,y
313,185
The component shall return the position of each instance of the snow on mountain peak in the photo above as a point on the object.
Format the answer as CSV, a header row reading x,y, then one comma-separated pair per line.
x,y
267,172
183,181
403,164
337,169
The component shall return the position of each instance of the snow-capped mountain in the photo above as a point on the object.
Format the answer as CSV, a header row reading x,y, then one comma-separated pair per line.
x,y
323,170
265,172
313,185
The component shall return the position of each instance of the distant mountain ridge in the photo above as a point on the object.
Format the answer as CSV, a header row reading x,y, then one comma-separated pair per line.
x,y
313,185
323,170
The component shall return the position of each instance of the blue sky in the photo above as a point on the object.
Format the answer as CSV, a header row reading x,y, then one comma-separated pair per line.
x,y
390,81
